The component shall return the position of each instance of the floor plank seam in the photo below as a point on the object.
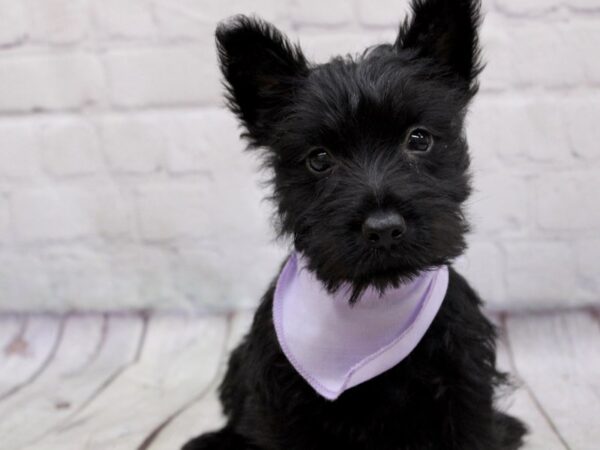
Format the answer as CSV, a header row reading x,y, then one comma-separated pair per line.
x,y
100,344
527,388
118,372
43,365
596,314
151,437
95,353
66,423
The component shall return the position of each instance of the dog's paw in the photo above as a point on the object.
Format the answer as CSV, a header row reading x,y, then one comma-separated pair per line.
x,y
512,431
219,440
206,442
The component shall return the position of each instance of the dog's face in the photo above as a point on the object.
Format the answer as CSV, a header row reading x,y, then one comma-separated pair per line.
x,y
369,156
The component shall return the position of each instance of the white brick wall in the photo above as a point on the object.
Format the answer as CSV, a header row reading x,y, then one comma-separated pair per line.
x,y
123,183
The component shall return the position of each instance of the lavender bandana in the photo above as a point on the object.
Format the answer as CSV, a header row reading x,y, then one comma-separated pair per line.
x,y
335,346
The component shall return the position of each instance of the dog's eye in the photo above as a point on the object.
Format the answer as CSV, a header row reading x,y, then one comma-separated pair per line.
x,y
419,140
319,161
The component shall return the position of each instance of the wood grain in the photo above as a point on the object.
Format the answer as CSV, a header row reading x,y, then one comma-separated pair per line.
x,y
178,361
92,351
205,413
558,357
131,382
519,402
28,352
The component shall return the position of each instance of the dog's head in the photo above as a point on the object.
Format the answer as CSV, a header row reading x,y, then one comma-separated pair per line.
x,y
368,153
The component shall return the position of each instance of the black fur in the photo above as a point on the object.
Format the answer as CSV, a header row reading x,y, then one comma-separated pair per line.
x,y
361,109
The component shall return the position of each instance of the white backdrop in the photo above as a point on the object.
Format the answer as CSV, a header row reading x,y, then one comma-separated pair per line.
x,y
123,183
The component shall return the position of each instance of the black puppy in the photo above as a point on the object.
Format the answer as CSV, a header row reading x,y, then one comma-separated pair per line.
x,y
370,167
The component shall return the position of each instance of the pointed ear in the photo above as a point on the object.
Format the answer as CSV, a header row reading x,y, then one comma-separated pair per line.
x,y
261,69
446,32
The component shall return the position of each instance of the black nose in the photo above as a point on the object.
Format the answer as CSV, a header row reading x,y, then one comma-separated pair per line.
x,y
383,228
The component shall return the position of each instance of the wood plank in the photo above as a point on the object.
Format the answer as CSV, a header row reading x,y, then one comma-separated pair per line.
x,y
10,326
558,357
178,362
205,413
519,403
93,349
87,390
26,355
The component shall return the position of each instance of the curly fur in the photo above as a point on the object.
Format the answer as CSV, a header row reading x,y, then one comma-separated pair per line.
x,y
360,108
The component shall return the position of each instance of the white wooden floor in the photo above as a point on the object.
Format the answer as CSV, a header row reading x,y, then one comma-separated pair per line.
x,y
132,382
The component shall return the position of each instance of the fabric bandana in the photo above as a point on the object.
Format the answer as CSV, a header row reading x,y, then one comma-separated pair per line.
x,y
336,346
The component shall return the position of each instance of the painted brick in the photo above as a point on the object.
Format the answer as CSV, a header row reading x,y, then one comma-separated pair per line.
x,y
584,4
50,214
588,266
528,53
250,270
581,122
58,21
209,142
539,131
491,125
186,148
119,174
65,213
483,267
5,226
76,270
172,212
316,12
124,18
25,283
205,141
208,212
320,47
146,270
190,18
70,147
568,201
485,136
163,76
232,198
49,82
73,272
133,144
583,39
541,274
513,129
521,53
501,204
521,7
384,13
19,150
14,22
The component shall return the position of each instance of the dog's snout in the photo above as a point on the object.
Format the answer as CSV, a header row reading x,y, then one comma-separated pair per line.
x,y
383,228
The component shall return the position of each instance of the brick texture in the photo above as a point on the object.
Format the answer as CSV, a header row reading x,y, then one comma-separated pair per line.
x,y
58,21
70,146
50,82
124,184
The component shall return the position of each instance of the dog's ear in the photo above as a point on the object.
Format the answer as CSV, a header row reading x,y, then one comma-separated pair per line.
x,y
446,32
262,69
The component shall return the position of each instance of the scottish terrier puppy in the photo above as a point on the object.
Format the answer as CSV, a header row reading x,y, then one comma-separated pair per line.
x,y
367,339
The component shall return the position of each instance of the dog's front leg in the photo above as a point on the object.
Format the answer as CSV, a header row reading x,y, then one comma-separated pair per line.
x,y
225,439
472,423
